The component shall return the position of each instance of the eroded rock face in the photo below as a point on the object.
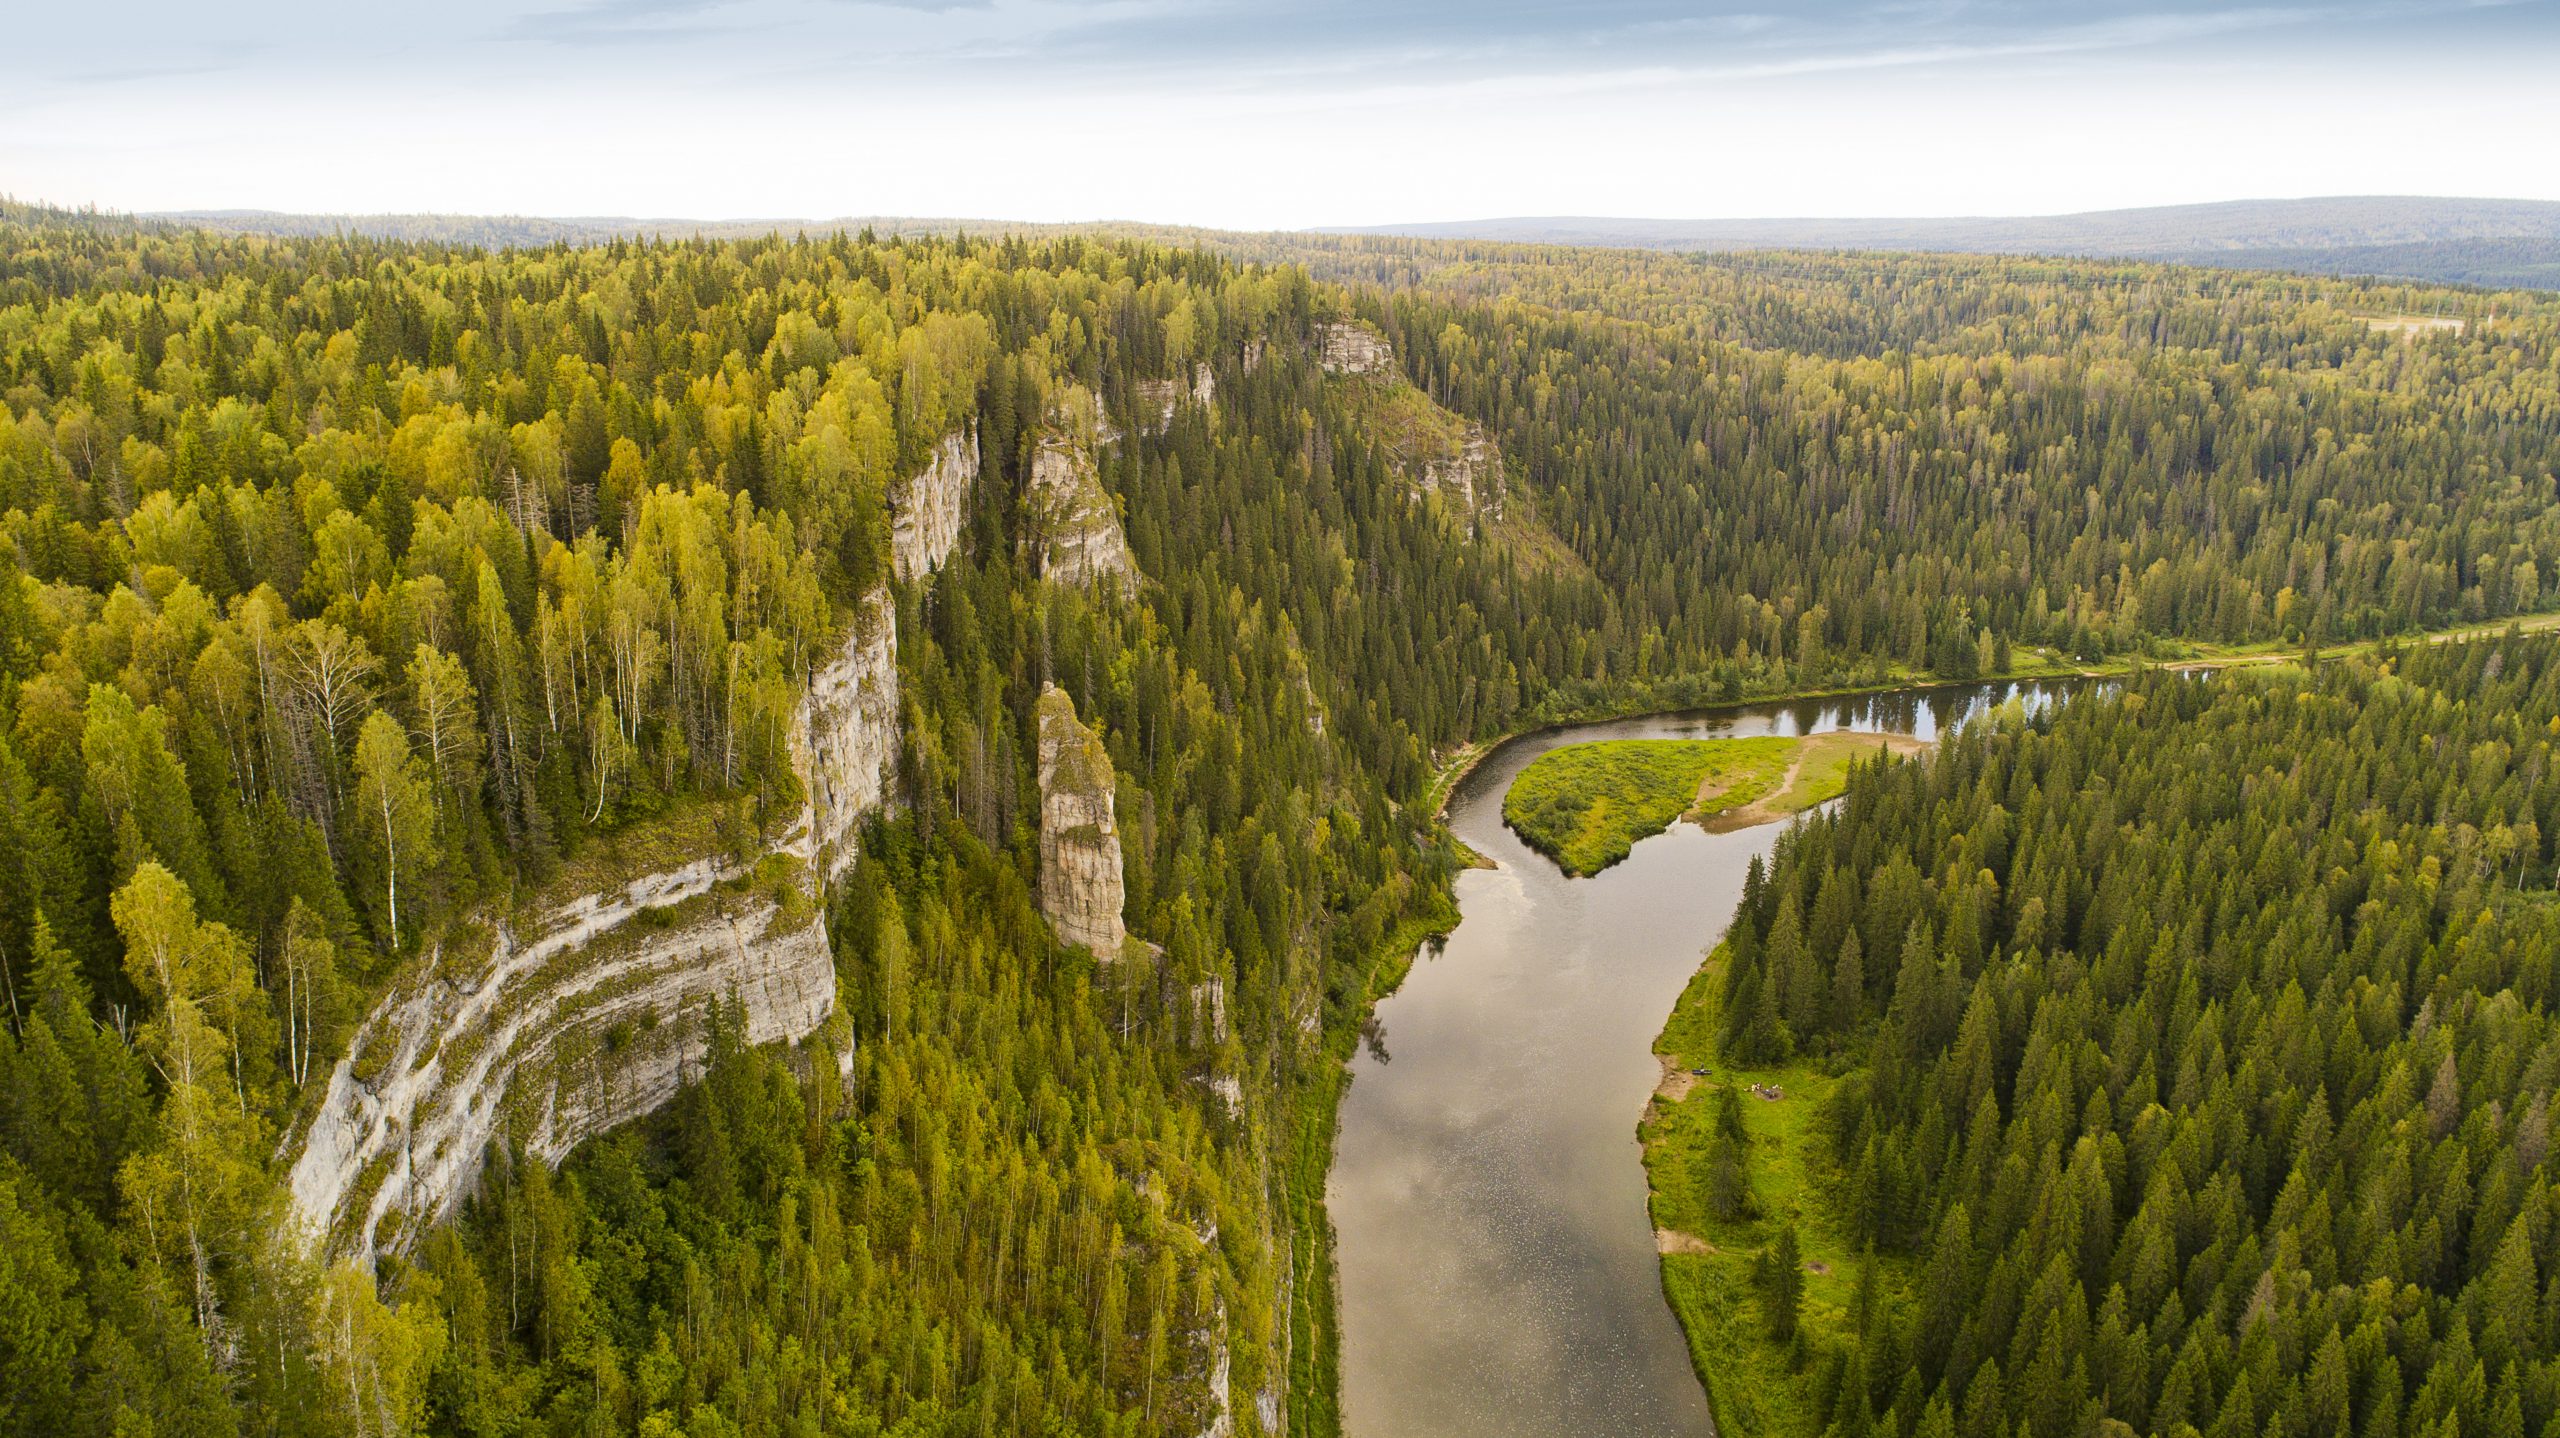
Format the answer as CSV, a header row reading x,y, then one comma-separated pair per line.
x,y
1222,1418
1349,347
927,510
1074,523
845,741
585,1021
590,1011
1158,399
1443,454
1470,479
1080,876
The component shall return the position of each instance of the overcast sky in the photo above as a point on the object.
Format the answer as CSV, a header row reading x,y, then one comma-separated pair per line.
x,y
1269,113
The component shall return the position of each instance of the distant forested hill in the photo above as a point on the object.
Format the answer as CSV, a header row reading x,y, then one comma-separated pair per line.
x,y
2492,243
523,231
2521,262
2489,242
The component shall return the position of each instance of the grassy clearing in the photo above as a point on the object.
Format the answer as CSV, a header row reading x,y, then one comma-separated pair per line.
x,y
1585,805
1758,1386
1817,774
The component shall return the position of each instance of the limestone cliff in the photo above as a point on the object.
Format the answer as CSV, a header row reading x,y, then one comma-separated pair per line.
x,y
1470,478
1445,456
1075,525
844,741
1350,347
1080,883
926,511
1159,399
586,1007
586,1020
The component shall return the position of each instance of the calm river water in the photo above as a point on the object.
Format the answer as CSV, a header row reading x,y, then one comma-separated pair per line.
x,y
1488,1192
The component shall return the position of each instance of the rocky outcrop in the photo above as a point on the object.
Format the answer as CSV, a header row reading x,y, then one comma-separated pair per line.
x,y
844,742
1444,455
926,511
1158,399
1471,479
1350,347
1075,526
587,1008
1222,1417
1080,883
584,1021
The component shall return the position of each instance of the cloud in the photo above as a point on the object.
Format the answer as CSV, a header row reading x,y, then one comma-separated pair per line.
x,y
621,21
1271,111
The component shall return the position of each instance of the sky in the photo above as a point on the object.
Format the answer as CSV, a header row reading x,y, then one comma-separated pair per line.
x,y
1268,113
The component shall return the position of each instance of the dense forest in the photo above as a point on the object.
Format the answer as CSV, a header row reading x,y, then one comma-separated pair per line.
x,y
351,587
2199,1058
1931,461
353,591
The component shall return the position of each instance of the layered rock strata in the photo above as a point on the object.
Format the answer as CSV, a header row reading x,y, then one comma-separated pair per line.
x,y
552,1026
1350,347
844,740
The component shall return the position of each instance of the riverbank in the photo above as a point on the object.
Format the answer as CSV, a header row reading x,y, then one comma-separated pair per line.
x,y
1498,1270
1759,1386
1586,806
1312,1321
1454,767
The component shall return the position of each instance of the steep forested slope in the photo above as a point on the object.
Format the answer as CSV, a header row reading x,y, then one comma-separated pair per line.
x,y
1821,460
361,599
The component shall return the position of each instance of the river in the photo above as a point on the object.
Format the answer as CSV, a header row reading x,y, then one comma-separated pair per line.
x,y
1498,1273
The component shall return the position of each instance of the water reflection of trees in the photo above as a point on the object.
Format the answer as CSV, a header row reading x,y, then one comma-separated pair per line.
x,y
1373,1037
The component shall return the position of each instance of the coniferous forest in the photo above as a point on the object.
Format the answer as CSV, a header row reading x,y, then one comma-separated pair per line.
x,y
2198,1057
355,594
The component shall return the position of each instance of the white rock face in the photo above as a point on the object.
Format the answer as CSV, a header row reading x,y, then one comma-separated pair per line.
x,y
844,743
1159,398
1350,347
1454,459
925,523
1081,891
1074,523
1222,1418
1472,478
570,1032
591,1012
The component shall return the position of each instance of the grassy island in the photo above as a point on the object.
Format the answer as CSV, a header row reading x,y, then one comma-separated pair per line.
x,y
1586,805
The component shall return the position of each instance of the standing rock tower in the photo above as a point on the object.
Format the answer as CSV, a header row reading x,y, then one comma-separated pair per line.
x,y
1080,884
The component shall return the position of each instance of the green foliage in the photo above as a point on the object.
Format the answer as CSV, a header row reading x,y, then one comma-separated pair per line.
x,y
1585,805
1778,1273
355,590
2211,1084
350,590
1766,1122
